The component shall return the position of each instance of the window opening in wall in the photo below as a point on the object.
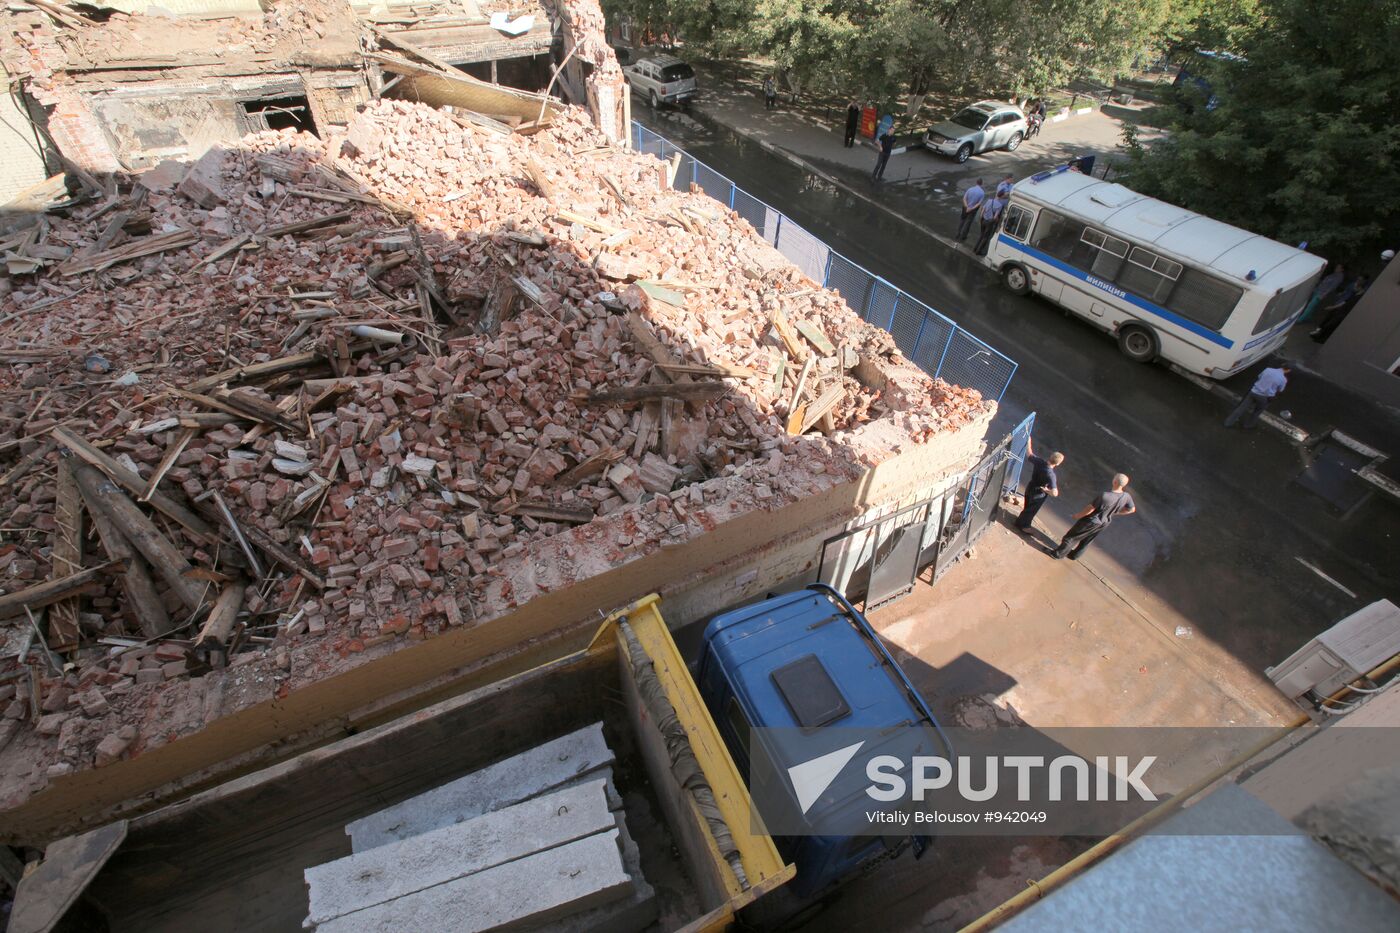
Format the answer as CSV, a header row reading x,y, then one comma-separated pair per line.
x,y
280,113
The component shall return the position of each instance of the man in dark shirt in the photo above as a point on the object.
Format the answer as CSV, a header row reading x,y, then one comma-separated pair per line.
x,y
1094,518
1041,485
886,147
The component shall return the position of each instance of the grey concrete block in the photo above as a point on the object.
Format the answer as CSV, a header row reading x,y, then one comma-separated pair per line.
x,y
528,892
502,784
400,868
628,915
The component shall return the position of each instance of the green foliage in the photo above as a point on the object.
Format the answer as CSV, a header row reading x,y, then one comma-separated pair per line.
x,y
1304,143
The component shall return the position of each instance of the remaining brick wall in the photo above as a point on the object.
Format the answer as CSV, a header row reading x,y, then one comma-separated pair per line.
x,y
79,134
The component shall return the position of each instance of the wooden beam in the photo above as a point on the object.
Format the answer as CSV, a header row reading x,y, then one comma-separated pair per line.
x,y
104,496
283,364
51,591
281,555
302,226
585,468
67,556
816,338
824,405
141,595
214,635
548,511
625,394
167,461
199,529
715,370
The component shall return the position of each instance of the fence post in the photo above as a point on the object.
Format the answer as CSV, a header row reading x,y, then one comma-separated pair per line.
x,y
826,273
893,308
870,299
777,229
913,354
732,188
952,331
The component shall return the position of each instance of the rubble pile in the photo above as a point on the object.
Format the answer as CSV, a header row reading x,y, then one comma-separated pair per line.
x,y
329,390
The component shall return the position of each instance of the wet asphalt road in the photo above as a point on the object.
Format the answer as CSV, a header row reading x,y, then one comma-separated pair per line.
x,y
1222,526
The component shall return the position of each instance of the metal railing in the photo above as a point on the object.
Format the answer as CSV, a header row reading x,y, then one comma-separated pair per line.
x,y
940,347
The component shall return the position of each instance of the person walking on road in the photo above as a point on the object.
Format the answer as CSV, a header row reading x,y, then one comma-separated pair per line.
x,y
971,201
1041,486
1004,186
770,93
1270,383
991,219
852,123
1091,520
886,147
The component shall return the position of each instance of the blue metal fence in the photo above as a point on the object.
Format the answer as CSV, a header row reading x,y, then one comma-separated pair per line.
x,y
939,346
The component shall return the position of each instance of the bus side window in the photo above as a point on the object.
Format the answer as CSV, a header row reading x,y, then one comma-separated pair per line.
x,y
1149,275
1204,298
1099,253
1018,222
1056,234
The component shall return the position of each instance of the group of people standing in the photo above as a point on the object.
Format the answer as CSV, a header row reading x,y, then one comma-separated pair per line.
x,y
1333,300
976,203
1089,522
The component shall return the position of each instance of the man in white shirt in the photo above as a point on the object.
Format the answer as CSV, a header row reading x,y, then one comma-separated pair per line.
x,y
972,199
1270,383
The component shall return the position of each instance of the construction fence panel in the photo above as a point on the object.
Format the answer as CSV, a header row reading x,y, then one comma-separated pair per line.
x,y
1020,444
803,250
932,340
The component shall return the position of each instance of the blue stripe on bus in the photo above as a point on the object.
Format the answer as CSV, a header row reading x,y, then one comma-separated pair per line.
x,y
1137,302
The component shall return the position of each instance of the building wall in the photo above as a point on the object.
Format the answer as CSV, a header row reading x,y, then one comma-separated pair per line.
x,y
1364,350
21,157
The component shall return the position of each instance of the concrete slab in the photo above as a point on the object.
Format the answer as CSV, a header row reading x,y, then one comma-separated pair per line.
x,y
401,868
532,891
502,784
629,915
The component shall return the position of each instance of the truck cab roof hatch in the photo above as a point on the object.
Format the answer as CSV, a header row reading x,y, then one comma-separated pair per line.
x,y
810,692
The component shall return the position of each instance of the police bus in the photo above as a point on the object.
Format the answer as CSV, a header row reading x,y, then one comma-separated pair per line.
x,y
1166,282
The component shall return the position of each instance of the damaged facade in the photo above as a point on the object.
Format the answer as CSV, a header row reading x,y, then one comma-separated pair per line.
x,y
313,428
141,84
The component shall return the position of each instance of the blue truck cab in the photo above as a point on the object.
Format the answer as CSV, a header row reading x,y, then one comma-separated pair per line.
x,y
797,677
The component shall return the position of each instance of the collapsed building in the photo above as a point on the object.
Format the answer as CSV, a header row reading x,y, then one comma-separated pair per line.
x,y
126,84
315,429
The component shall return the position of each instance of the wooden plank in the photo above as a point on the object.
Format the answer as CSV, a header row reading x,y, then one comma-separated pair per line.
x,y
715,370
302,226
590,467
646,430
625,394
281,555
597,226
256,371
794,421
197,527
51,591
548,511
67,556
538,179
816,338
28,462
147,246
240,408
662,293
788,336
141,595
104,496
801,384
214,635
824,405
167,461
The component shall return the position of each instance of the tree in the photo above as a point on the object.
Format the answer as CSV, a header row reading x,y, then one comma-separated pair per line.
x,y
1303,143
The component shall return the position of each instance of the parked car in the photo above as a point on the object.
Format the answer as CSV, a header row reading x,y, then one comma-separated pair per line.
x,y
662,79
977,128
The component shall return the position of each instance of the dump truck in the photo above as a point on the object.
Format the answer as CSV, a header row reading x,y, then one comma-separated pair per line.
x,y
239,856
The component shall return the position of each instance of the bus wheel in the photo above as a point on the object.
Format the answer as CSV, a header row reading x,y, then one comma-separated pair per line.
x,y
1017,281
1138,344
